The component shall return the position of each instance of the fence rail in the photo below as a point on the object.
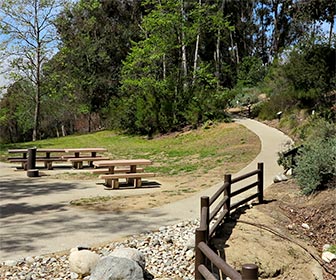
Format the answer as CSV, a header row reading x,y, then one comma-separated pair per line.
x,y
211,219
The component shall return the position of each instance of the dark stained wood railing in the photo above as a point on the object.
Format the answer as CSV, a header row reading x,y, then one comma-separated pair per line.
x,y
211,219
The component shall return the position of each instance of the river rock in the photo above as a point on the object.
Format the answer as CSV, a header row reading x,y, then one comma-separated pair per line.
x,y
130,253
82,261
114,268
328,256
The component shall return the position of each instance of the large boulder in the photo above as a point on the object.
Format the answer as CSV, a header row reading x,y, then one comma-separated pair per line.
x,y
82,262
114,268
130,253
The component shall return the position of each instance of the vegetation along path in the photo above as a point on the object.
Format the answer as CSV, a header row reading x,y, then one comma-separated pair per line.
x,y
36,217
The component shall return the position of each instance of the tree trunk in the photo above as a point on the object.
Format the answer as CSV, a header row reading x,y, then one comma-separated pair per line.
x,y
38,74
63,130
196,49
331,30
217,55
183,49
164,67
195,57
36,116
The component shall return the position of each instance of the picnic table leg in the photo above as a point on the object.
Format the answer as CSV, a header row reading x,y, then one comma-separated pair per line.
x,y
112,184
75,164
93,154
137,183
132,170
24,164
47,164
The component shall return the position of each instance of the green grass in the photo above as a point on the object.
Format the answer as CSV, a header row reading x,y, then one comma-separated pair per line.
x,y
175,154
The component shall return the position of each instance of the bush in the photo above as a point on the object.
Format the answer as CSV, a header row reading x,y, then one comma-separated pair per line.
x,y
316,165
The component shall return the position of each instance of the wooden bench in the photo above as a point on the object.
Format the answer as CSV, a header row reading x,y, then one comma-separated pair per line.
x,y
112,180
77,162
47,161
117,170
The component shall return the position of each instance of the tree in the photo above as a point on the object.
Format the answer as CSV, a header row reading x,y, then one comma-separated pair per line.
x,y
28,40
95,37
168,78
16,112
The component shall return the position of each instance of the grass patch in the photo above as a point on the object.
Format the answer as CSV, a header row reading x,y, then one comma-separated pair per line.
x,y
184,153
92,200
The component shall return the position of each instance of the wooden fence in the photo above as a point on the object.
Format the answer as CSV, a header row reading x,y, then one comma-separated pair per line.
x,y
211,219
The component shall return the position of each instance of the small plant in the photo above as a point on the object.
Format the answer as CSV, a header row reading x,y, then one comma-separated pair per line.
x,y
332,249
316,165
285,159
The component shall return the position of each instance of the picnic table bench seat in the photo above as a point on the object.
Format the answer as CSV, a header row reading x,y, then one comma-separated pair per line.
x,y
112,180
47,161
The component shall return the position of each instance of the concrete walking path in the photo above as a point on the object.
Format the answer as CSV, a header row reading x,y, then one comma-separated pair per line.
x,y
36,219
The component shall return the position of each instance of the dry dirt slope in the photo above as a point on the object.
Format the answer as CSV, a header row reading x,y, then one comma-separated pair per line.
x,y
271,235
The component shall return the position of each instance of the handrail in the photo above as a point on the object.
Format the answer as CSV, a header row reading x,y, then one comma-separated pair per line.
x,y
245,176
204,233
218,192
219,262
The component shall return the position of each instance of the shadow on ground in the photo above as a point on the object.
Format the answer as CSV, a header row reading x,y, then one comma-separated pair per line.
x,y
26,187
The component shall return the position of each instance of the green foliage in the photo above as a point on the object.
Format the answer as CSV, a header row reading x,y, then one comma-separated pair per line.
x,y
165,96
332,249
251,71
312,72
28,37
317,128
287,162
316,165
17,112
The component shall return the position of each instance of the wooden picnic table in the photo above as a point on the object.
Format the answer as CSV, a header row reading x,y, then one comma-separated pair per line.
x,y
78,158
112,180
47,158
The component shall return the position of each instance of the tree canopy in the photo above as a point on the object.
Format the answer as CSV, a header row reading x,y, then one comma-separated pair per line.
x,y
156,66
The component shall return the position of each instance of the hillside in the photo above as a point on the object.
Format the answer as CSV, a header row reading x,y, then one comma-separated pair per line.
x,y
272,234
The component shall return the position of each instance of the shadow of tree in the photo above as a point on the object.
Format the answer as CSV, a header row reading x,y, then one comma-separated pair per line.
x,y
26,187
29,230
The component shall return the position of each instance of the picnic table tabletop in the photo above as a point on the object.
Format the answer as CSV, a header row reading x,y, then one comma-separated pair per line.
x,y
122,162
42,150
80,150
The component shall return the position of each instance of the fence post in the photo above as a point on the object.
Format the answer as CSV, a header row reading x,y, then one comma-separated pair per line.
x,y
227,192
205,202
249,272
261,182
199,256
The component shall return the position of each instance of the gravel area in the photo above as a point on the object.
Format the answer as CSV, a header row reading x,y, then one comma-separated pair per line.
x,y
163,249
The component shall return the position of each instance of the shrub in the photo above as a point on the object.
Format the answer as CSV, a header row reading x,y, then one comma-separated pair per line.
x,y
316,165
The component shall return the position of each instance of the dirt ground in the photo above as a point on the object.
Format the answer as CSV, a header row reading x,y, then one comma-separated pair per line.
x,y
162,190
272,236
